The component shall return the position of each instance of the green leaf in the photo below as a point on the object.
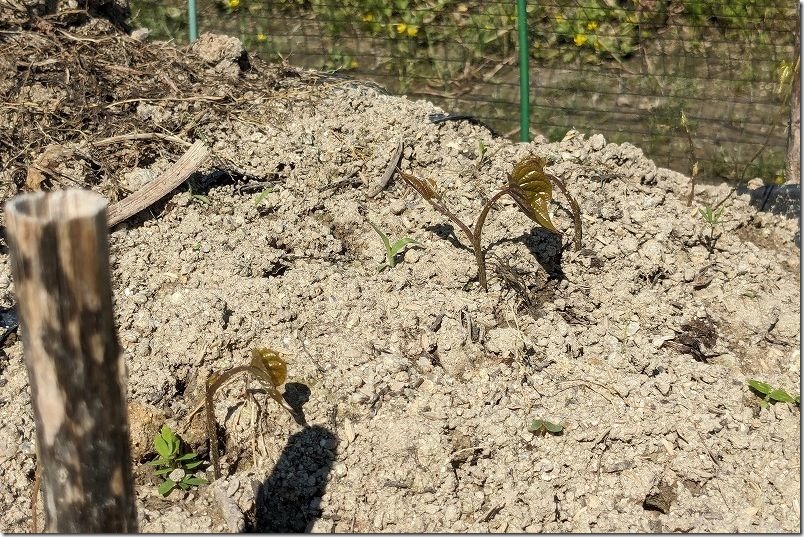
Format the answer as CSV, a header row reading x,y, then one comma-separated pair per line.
x,y
761,387
383,236
194,480
532,190
165,488
262,195
162,447
192,464
183,485
163,471
554,428
543,426
161,461
399,245
781,396
186,457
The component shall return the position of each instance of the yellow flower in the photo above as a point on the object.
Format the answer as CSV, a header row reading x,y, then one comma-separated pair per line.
x,y
560,18
234,4
401,27
262,37
368,17
412,31
353,64
591,26
580,39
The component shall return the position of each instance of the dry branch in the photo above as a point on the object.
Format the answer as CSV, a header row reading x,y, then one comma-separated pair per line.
x,y
160,187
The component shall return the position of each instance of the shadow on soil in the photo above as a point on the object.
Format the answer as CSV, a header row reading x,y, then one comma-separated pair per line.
x,y
288,500
545,247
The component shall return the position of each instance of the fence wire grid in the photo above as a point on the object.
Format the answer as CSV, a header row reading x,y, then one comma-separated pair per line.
x,y
674,77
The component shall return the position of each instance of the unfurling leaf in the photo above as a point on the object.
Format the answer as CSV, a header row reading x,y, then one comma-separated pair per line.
x,y
425,187
531,189
270,362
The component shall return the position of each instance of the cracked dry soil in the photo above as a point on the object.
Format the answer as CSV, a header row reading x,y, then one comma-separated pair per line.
x,y
418,387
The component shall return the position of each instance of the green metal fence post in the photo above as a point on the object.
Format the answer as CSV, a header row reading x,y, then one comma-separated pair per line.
x,y
524,74
192,20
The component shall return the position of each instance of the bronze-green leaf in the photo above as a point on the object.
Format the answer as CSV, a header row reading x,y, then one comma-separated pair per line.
x,y
269,361
425,187
532,190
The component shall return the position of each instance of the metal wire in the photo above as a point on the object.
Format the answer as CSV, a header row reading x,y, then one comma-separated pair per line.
x,y
626,69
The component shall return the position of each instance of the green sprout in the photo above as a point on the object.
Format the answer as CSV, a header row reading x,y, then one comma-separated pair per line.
x,y
542,427
529,186
481,151
201,198
176,468
772,395
262,195
392,251
711,217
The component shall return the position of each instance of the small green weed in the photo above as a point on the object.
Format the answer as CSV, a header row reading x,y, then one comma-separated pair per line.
x,y
770,394
542,427
262,195
392,251
175,467
711,217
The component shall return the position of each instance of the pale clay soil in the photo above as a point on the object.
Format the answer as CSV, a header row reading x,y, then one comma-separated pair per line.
x,y
417,386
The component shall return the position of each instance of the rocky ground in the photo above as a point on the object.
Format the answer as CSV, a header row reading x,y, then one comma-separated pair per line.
x,y
418,387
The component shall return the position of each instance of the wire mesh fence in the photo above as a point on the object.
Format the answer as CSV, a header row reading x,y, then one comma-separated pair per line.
x,y
675,77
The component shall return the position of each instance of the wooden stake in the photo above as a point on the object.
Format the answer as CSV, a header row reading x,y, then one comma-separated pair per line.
x,y
60,264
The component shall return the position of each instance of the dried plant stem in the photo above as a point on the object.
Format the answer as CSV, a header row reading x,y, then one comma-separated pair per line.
x,y
215,384
576,211
212,387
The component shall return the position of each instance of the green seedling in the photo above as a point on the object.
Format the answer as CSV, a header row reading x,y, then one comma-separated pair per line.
x,y
481,151
711,217
772,395
268,368
542,427
262,195
392,251
176,468
529,186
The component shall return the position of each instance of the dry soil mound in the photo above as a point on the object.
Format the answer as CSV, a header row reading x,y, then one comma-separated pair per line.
x,y
418,387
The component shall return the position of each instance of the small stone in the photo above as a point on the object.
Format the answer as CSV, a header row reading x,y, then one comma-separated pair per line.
x,y
349,431
177,475
397,207
340,469
597,142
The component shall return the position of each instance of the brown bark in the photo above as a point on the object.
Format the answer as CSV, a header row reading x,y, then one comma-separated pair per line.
x,y
60,265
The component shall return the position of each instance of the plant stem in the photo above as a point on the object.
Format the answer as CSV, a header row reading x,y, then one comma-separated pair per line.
x,y
480,255
210,412
576,211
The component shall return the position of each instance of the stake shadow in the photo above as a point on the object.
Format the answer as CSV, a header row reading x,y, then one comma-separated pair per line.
x,y
288,500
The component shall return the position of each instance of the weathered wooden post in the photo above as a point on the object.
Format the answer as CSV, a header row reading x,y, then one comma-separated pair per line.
x,y
60,265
